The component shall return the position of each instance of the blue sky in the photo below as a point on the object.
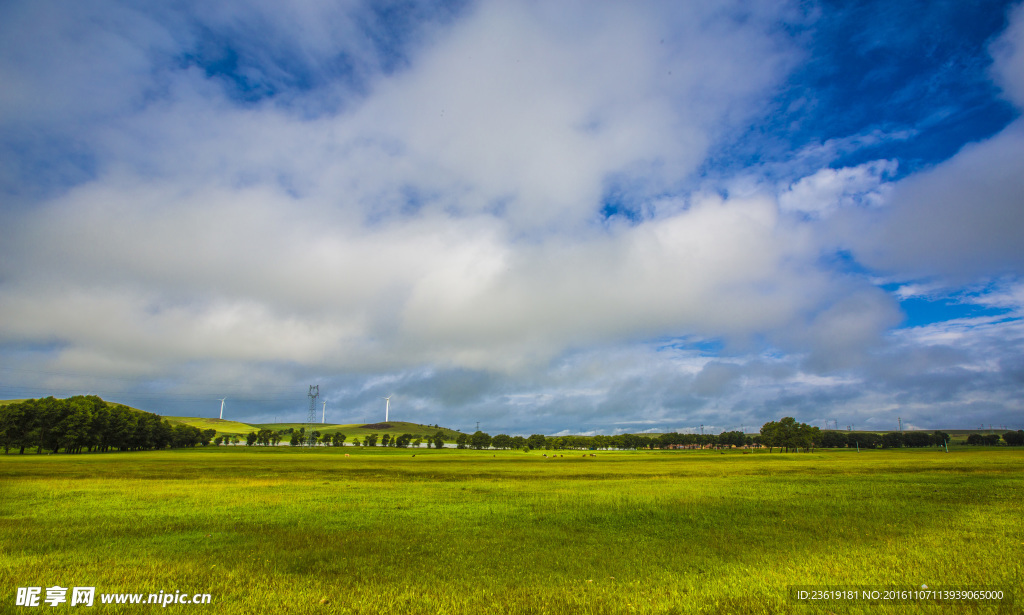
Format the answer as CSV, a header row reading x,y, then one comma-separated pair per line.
x,y
546,217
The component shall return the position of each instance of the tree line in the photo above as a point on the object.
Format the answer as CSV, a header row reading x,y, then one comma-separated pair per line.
x,y
1011,438
482,440
267,437
87,423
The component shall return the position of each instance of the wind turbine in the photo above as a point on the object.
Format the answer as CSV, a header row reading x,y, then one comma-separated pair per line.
x,y
222,408
387,406
323,418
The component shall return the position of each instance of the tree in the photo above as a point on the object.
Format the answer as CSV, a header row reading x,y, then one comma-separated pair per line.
x,y
865,440
370,440
833,439
385,441
480,440
535,442
917,439
726,438
72,432
1014,438
893,439
47,432
16,422
251,438
439,439
161,436
462,440
85,423
771,435
789,434
501,441
417,441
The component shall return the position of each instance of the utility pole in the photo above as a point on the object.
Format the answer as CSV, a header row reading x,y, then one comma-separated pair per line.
x,y
314,393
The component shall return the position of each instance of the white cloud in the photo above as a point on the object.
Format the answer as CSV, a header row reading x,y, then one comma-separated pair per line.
x,y
965,216
830,189
1008,53
962,218
433,228
446,217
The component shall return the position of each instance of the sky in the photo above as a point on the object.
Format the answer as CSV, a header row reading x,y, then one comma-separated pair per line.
x,y
535,217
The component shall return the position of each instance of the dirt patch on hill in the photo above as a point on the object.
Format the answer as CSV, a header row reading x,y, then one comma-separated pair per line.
x,y
377,426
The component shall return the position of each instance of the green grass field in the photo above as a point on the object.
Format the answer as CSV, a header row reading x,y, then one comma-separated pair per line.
x,y
279,530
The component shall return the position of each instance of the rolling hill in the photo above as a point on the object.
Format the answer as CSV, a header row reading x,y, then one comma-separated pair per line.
x,y
351,431
223,427
359,430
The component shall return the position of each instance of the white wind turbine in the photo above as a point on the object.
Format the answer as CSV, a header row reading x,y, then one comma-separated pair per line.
x,y
387,406
323,417
222,408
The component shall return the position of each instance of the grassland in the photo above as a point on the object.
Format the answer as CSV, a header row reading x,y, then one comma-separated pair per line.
x,y
280,530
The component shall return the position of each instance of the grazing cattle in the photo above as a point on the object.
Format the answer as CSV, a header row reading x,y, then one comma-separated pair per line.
x,y
593,455
414,455
347,455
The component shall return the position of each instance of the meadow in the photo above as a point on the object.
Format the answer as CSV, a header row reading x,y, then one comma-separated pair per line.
x,y
280,530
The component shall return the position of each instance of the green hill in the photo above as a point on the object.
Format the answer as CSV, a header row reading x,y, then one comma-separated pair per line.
x,y
359,430
220,425
352,431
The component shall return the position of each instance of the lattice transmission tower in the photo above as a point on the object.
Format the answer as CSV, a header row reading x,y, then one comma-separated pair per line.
x,y
314,393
